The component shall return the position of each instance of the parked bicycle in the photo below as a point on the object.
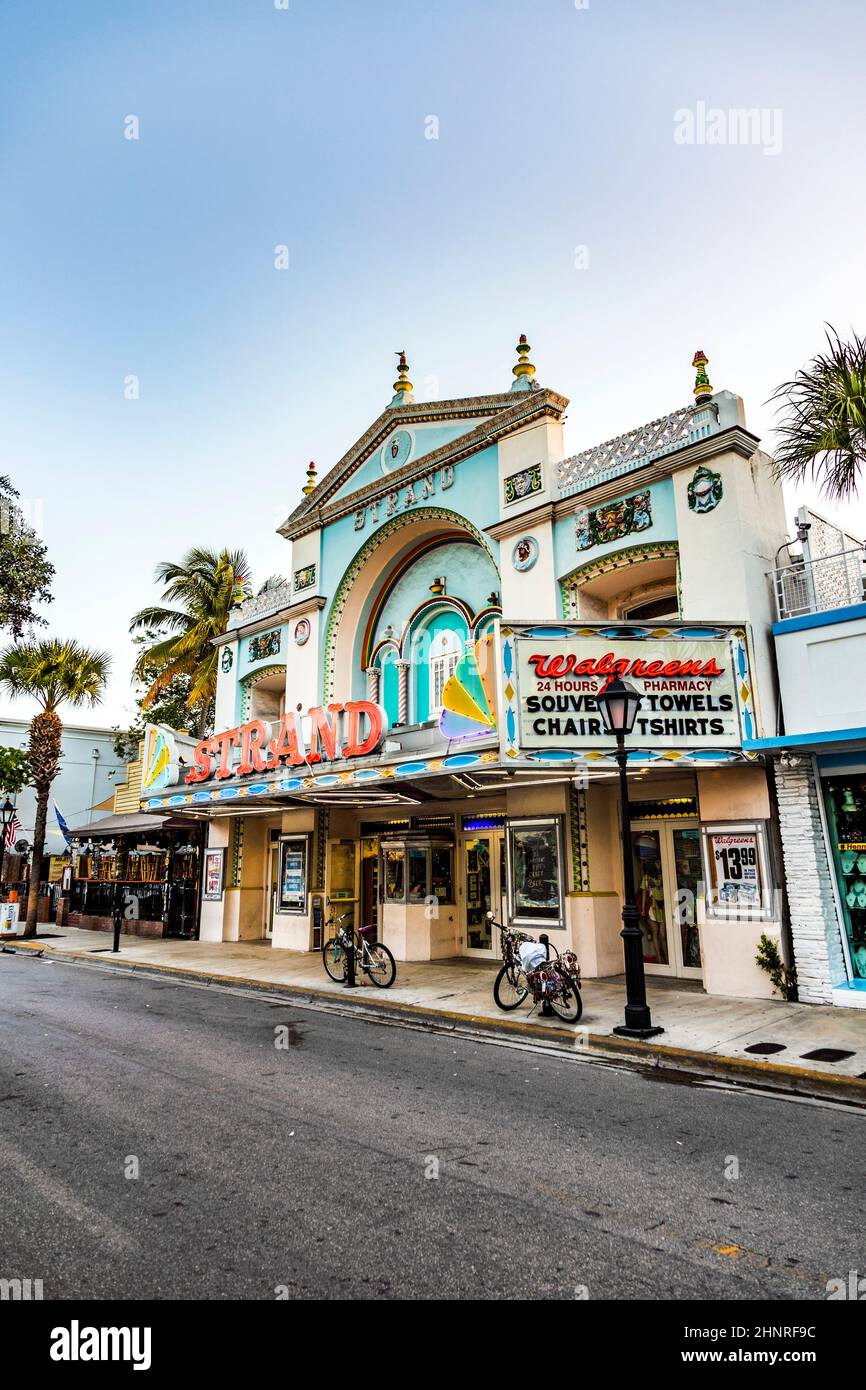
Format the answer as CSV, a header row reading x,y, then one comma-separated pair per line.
x,y
370,956
555,980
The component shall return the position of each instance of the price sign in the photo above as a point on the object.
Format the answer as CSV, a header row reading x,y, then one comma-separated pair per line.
x,y
737,872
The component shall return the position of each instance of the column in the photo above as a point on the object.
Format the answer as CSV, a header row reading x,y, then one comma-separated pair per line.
x,y
402,691
373,683
814,922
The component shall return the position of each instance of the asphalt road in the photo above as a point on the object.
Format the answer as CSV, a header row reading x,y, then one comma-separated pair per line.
x,y
305,1170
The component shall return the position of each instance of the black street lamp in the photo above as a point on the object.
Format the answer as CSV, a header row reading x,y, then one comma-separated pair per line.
x,y
618,705
7,811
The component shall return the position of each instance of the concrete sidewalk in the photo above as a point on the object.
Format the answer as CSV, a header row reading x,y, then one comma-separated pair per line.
x,y
703,1034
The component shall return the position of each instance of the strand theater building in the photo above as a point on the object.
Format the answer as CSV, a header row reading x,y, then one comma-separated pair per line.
x,y
406,726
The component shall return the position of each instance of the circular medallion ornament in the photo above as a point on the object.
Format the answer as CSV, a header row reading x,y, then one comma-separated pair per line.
x,y
227,659
525,553
396,450
302,631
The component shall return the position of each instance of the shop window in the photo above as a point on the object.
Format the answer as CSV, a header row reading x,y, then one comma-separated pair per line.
x,y
665,607
845,799
535,882
441,873
737,882
418,871
292,884
395,874
342,871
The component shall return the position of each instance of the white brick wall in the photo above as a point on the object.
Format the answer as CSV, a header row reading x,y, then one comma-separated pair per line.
x,y
814,922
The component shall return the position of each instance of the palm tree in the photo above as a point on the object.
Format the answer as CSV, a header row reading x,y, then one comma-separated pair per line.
x,y
49,671
823,432
205,586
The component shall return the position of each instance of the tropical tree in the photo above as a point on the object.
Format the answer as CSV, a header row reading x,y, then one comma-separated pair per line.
x,y
50,672
204,588
822,432
25,571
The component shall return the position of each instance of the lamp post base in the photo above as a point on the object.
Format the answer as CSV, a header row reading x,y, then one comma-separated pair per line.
x,y
623,1031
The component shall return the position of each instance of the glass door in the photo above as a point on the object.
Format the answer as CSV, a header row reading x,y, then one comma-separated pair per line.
x,y
668,879
482,892
272,889
648,860
688,878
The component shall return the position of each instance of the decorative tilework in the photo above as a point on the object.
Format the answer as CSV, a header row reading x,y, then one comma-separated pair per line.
x,y
264,644
579,832
304,578
518,486
613,520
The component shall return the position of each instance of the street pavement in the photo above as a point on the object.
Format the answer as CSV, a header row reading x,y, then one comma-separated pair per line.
x,y
162,1140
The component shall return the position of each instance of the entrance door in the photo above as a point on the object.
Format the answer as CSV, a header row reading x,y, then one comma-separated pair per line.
x,y
272,888
482,891
668,878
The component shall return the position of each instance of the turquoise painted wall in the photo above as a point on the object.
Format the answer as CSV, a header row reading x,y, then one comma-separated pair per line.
x,y
425,633
567,557
427,439
473,495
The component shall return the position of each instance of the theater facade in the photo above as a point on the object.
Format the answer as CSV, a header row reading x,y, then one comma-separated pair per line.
x,y
407,728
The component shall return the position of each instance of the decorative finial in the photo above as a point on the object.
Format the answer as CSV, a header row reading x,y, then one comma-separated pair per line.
x,y
402,386
524,371
310,484
703,389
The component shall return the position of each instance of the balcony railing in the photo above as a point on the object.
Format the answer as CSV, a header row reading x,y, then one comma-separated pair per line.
x,y
816,586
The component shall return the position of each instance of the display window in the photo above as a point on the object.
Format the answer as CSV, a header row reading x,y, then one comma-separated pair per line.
x,y
845,800
292,874
341,879
736,870
535,879
415,872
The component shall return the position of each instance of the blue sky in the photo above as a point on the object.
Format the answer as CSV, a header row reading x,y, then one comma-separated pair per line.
x,y
260,127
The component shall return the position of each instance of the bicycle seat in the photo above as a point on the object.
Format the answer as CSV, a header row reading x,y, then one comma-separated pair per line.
x,y
364,929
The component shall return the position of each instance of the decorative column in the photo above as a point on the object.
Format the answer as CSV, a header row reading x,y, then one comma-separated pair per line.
x,y
402,691
818,950
373,681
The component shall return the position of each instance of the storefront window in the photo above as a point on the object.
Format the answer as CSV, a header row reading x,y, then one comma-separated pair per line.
x,y
846,822
417,875
342,881
441,872
535,892
395,863
737,882
428,872
292,896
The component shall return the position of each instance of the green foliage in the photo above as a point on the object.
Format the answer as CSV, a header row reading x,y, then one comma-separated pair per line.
x,y
170,706
14,771
823,428
25,571
204,588
52,670
770,960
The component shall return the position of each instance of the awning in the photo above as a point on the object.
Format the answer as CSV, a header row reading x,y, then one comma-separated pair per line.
x,y
132,824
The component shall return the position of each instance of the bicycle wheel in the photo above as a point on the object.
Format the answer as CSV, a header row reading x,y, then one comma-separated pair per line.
x,y
510,988
567,1004
334,959
379,965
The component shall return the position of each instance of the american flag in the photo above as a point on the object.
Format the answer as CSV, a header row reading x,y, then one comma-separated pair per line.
x,y
13,830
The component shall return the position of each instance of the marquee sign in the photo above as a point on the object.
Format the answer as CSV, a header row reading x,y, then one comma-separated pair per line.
x,y
326,734
694,683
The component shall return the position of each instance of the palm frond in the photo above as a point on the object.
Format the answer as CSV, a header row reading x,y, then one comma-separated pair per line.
x,y
822,432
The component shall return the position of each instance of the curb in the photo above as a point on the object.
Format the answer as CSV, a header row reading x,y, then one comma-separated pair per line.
x,y
779,1076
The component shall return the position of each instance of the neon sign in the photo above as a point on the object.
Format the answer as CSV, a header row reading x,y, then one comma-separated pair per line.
x,y
329,733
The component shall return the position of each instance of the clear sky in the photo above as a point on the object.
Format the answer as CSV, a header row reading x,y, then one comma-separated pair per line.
x,y
307,127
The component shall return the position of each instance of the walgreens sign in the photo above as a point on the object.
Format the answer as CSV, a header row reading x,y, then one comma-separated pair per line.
x,y
688,691
327,733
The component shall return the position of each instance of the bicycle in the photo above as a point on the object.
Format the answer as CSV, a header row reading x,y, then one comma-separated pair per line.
x,y
372,957
556,982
